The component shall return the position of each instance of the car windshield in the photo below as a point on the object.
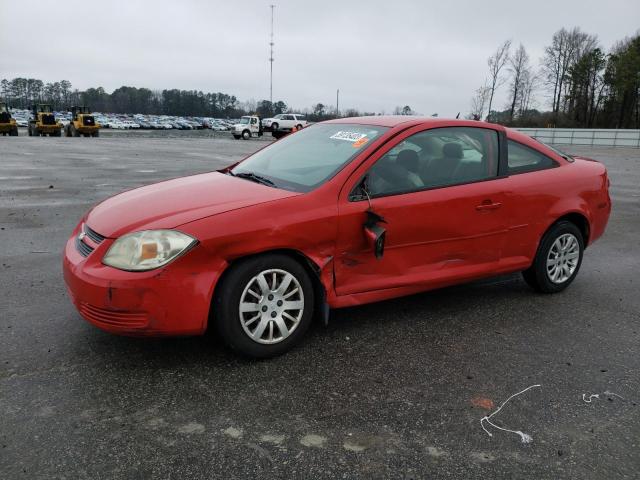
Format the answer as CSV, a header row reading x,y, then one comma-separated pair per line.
x,y
244,120
304,160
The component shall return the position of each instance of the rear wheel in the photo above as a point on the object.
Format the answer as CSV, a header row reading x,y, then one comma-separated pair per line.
x,y
299,127
264,305
558,259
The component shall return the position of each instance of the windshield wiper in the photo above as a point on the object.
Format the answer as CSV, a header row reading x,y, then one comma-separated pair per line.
x,y
253,177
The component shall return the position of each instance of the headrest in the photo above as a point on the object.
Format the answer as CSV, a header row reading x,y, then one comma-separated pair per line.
x,y
409,160
452,150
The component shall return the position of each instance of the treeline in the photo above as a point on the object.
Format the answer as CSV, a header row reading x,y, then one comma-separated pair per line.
x,y
582,84
23,92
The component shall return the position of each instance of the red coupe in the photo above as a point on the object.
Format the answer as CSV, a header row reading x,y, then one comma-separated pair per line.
x,y
341,213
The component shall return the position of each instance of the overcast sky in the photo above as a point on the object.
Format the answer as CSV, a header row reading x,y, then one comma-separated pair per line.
x,y
429,55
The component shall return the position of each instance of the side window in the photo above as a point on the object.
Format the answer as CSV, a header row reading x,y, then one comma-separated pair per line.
x,y
436,158
525,159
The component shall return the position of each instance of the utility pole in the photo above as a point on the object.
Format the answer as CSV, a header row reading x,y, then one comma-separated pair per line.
x,y
271,60
338,103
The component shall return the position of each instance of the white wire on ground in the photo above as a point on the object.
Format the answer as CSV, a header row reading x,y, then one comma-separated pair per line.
x,y
590,398
524,437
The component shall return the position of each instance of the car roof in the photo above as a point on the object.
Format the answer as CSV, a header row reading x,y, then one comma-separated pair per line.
x,y
409,121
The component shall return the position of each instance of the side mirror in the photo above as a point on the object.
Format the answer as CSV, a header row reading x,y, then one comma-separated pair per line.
x,y
374,233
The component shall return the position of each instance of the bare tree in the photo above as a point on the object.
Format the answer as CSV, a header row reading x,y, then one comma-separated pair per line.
x,y
479,102
567,47
528,86
519,68
496,63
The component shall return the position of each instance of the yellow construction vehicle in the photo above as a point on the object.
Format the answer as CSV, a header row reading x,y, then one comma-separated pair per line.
x,y
82,123
44,122
7,124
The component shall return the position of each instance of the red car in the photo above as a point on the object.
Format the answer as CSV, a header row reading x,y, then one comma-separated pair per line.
x,y
341,213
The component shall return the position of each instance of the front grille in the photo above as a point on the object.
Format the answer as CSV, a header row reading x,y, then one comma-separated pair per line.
x,y
112,317
93,235
83,248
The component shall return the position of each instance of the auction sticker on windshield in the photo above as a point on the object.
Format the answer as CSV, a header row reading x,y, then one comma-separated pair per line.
x,y
348,136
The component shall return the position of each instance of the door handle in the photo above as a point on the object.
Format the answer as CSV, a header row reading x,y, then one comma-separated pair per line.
x,y
488,205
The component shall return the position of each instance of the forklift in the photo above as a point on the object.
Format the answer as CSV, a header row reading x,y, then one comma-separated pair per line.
x,y
44,122
82,123
7,124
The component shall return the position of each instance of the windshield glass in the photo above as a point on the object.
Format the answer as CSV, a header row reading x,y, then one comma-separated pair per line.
x,y
244,120
304,160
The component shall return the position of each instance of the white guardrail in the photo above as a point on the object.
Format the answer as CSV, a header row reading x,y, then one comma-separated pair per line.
x,y
586,137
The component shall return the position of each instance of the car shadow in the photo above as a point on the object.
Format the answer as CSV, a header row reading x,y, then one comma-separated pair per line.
x,y
452,308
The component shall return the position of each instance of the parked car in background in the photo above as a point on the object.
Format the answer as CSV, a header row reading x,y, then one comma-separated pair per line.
x,y
285,122
342,213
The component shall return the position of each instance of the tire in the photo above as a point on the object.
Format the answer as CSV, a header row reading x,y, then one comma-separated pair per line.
x,y
246,135
57,133
96,133
563,247
299,127
29,131
274,126
242,286
67,131
13,132
74,132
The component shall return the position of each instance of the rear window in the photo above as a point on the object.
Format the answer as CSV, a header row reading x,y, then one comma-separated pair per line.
x,y
524,159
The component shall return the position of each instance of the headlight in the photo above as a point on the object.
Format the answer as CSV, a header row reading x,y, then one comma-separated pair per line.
x,y
147,249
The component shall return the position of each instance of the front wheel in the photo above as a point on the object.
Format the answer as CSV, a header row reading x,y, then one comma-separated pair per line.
x,y
246,135
558,259
274,127
264,305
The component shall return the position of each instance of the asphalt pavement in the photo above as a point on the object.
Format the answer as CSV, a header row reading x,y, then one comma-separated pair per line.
x,y
395,389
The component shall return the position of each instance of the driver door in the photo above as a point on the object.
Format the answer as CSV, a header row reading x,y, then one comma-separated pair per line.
x,y
439,193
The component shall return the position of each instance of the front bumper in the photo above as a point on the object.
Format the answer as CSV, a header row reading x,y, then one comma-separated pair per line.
x,y
49,128
168,301
88,129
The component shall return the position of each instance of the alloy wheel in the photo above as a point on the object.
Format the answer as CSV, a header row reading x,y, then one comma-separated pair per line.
x,y
271,306
563,257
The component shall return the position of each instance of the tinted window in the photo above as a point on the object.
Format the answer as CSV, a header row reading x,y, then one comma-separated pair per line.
x,y
305,159
525,159
436,158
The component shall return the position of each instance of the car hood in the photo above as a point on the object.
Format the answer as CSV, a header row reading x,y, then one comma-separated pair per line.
x,y
178,201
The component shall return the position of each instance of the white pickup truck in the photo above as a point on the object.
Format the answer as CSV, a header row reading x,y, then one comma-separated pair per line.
x,y
285,122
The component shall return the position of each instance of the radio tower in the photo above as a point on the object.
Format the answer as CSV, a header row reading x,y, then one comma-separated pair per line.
x,y
271,61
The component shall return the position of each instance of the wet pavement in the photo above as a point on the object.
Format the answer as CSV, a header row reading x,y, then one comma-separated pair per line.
x,y
389,390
